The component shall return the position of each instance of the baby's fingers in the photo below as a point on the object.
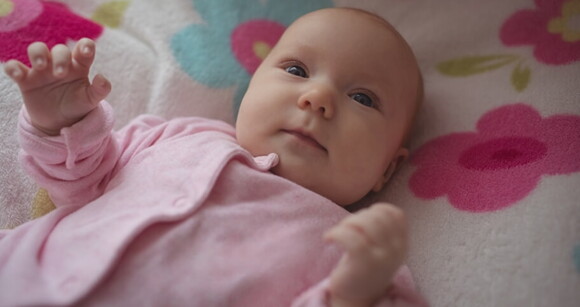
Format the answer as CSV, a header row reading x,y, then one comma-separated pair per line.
x,y
350,237
39,55
99,89
16,70
61,59
83,53
384,224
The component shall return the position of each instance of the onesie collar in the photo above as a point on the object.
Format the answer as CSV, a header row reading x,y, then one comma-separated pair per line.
x,y
267,162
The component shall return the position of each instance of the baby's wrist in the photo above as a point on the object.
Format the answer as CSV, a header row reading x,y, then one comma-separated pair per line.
x,y
53,127
50,132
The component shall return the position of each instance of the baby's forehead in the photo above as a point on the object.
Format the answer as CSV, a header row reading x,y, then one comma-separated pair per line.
x,y
346,23
347,16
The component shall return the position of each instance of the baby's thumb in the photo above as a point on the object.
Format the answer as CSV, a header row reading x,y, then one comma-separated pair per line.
x,y
99,89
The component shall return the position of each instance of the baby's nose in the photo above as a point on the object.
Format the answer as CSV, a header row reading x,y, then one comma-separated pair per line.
x,y
319,99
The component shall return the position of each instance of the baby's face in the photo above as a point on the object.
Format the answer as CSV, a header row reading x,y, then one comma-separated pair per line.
x,y
333,99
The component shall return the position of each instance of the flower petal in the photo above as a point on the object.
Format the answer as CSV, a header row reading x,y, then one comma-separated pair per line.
x,y
554,50
491,191
562,135
551,7
444,148
438,166
204,53
55,25
522,28
516,119
428,183
20,15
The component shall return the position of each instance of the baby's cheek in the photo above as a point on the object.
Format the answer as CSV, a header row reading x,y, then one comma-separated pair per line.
x,y
354,180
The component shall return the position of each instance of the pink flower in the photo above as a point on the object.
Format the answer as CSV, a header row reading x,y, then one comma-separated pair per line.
x,y
499,164
23,22
263,36
553,29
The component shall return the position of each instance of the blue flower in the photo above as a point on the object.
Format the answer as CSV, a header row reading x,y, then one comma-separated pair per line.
x,y
225,50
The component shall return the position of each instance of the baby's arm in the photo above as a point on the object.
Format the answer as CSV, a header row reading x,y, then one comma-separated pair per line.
x,y
56,90
375,244
72,164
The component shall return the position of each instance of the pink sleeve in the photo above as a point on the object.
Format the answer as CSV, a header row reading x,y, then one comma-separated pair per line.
x,y
401,294
76,166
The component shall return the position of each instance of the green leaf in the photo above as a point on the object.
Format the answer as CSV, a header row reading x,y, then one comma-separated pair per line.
x,y
111,13
520,77
471,65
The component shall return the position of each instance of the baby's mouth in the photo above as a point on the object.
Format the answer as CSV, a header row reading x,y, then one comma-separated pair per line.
x,y
306,138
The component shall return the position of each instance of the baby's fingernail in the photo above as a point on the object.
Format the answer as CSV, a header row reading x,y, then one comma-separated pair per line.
x,y
15,73
39,62
59,70
86,50
102,82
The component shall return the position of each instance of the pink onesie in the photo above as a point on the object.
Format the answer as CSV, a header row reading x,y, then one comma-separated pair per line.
x,y
168,213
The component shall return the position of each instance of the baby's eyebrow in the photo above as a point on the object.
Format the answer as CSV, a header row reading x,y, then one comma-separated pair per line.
x,y
298,49
370,76
305,48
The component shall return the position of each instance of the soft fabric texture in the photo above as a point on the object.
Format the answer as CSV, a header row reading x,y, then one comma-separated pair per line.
x,y
168,213
498,228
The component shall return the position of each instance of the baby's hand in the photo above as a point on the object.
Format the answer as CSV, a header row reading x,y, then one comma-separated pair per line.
x,y
56,90
375,244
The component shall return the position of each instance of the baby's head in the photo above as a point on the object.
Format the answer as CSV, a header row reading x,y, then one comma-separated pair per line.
x,y
335,99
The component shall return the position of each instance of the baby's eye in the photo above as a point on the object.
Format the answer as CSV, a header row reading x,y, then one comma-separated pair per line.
x,y
363,99
297,71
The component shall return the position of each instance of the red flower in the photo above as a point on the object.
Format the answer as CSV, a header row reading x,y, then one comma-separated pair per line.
x,y
23,22
553,28
501,162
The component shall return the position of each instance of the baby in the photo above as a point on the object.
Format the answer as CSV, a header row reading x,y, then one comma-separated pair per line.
x,y
192,212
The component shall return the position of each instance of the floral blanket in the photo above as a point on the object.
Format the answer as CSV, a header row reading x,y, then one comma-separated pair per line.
x,y
492,186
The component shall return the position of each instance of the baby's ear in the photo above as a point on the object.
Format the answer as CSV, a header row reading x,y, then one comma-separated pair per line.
x,y
400,157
